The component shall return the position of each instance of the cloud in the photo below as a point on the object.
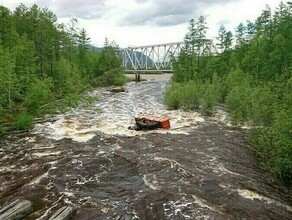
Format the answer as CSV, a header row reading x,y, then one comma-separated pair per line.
x,y
141,22
167,12
130,12
86,9
141,1
169,20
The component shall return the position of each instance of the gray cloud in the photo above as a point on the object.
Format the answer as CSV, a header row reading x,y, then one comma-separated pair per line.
x,y
141,1
155,12
86,9
167,12
169,20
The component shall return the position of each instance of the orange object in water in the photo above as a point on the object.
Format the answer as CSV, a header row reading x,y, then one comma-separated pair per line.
x,y
163,121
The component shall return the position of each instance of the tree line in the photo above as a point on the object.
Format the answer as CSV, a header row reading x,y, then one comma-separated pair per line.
x,y
248,72
42,61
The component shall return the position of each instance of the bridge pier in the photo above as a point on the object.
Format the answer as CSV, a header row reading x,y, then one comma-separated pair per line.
x,y
137,78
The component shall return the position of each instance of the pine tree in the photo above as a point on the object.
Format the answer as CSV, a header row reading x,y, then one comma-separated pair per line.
x,y
240,36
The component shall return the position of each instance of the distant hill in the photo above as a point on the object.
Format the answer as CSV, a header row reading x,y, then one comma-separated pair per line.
x,y
140,56
96,49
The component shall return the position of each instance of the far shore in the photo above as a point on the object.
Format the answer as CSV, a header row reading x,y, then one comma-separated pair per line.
x,y
157,77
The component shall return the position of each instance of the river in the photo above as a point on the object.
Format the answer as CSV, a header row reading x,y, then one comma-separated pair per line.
x,y
201,168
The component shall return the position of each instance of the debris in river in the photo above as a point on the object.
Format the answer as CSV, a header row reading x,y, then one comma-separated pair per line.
x,y
66,212
118,89
18,209
150,122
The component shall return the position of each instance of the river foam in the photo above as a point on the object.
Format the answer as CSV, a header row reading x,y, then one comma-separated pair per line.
x,y
115,112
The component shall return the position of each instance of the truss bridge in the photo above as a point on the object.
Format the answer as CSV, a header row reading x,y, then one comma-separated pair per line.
x,y
152,58
159,57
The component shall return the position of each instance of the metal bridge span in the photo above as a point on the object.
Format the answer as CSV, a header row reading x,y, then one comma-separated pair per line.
x,y
152,58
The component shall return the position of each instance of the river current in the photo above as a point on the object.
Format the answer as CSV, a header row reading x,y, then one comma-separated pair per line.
x,y
201,168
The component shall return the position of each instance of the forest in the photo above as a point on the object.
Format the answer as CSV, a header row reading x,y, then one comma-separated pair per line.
x,y
45,65
249,74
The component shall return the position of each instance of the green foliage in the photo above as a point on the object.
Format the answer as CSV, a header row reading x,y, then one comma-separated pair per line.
x,y
8,36
184,96
238,102
113,77
262,105
1,128
282,127
91,66
83,45
67,77
172,96
109,68
225,39
43,62
39,94
184,67
191,58
109,58
8,79
192,95
209,99
274,145
23,122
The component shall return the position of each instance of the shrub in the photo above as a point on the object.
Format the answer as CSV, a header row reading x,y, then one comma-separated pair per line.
x,y
262,106
68,77
22,122
274,145
235,78
38,95
172,96
219,88
209,99
113,77
238,102
190,95
282,127
1,129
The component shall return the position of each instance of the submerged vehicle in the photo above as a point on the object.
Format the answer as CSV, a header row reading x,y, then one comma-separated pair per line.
x,y
150,122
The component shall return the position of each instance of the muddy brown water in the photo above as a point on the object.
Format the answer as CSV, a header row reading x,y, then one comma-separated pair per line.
x,y
199,169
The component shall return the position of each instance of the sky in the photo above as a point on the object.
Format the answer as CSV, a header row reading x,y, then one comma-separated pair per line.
x,y
148,22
